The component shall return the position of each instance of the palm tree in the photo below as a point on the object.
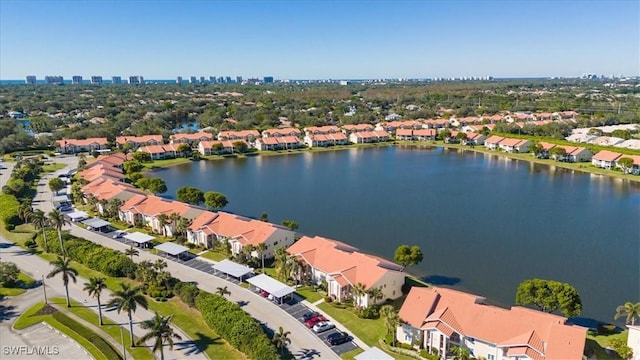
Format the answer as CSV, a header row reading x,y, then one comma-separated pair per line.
x,y
25,212
391,320
127,299
57,220
281,263
630,310
261,249
375,294
281,339
460,353
159,265
94,287
358,290
162,221
160,331
131,252
62,266
174,218
223,291
295,267
40,221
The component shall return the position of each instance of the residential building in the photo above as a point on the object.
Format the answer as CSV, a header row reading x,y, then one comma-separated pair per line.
x,y
74,146
474,139
96,80
192,80
277,143
239,79
268,79
515,145
281,132
351,128
369,137
420,134
343,267
137,141
160,152
211,228
190,139
228,80
53,80
217,147
493,142
31,80
436,124
136,80
574,154
179,80
212,79
101,170
315,130
146,210
202,81
633,341
436,319
606,141
117,80
247,135
114,160
324,140
104,189
605,159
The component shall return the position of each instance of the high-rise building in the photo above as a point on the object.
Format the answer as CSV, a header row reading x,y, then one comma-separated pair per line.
x,y
31,80
228,80
201,79
268,79
116,80
220,79
212,79
179,80
239,79
76,79
96,80
136,79
56,80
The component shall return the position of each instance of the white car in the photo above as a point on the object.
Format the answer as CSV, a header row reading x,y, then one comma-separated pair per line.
x,y
323,326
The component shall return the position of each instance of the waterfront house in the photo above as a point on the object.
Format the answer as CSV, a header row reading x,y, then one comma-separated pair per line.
x,y
160,152
605,159
316,130
343,267
281,132
277,143
323,140
211,228
115,160
74,146
221,147
369,136
419,134
105,189
146,209
436,124
515,145
137,141
474,139
546,148
98,170
351,128
436,319
493,142
248,136
190,139
635,167
577,154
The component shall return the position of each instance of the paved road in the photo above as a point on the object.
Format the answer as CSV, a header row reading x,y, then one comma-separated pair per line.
x,y
304,343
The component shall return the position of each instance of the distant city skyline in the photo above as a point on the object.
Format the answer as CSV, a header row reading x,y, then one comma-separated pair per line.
x,y
319,40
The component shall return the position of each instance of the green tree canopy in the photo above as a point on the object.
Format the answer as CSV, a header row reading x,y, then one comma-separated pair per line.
x,y
292,225
629,310
154,185
56,184
190,195
549,296
8,274
408,256
215,200
625,162
141,156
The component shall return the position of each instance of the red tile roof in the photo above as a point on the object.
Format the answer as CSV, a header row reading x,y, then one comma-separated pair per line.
x,y
194,136
245,230
606,155
139,139
81,142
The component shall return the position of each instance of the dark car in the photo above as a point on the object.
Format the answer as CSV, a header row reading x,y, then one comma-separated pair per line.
x,y
338,338
309,315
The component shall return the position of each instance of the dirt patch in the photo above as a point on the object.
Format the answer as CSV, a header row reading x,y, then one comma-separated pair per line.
x,y
46,310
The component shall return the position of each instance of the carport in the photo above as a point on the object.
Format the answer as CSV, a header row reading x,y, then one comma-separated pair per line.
x,y
234,269
59,200
373,353
77,216
172,249
272,286
97,224
139,238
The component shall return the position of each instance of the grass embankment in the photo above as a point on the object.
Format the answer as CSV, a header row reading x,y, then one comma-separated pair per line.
x,y
24,282
94,344
52,167
213,255
164,163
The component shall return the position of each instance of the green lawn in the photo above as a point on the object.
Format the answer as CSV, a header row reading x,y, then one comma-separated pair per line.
x,y
368,330
350,355
53,167
214,255
109,327
24,282
19,236
163,163
94,344
598,343
309,294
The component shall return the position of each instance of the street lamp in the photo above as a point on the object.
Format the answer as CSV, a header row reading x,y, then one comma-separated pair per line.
x,y
44,289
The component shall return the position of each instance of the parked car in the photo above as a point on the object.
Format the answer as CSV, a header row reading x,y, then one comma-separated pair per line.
x,y
119,234
314,320
64,208
323,326
264,293
338,338
309,315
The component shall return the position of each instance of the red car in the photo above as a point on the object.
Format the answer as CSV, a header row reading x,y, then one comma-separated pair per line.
x,y
264,293
314,320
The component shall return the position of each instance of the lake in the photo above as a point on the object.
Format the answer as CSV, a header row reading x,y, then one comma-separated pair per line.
x,y
484,222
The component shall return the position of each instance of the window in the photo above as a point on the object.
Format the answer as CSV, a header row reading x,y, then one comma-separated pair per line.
x,y
490,357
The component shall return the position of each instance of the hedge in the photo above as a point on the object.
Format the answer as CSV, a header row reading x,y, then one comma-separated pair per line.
x,y
9,206
104,347
94,256
236,326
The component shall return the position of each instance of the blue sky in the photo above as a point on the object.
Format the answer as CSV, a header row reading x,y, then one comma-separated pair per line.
x,y
319,39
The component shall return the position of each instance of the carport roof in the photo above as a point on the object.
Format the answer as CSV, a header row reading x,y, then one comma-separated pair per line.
x,y
373,353
172,248
60,198
78,215
232,268
271,285
96,223
139,237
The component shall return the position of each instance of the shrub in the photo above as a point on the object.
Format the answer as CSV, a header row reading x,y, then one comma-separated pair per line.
x,y
30,243
103,346
8,274
9,205
370,312
405,346
188,293
235,326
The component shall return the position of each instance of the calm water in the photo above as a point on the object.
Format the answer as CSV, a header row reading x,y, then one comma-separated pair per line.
x,y
484,223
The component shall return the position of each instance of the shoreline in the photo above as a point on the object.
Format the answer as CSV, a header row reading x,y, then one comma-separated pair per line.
x,y
582,167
